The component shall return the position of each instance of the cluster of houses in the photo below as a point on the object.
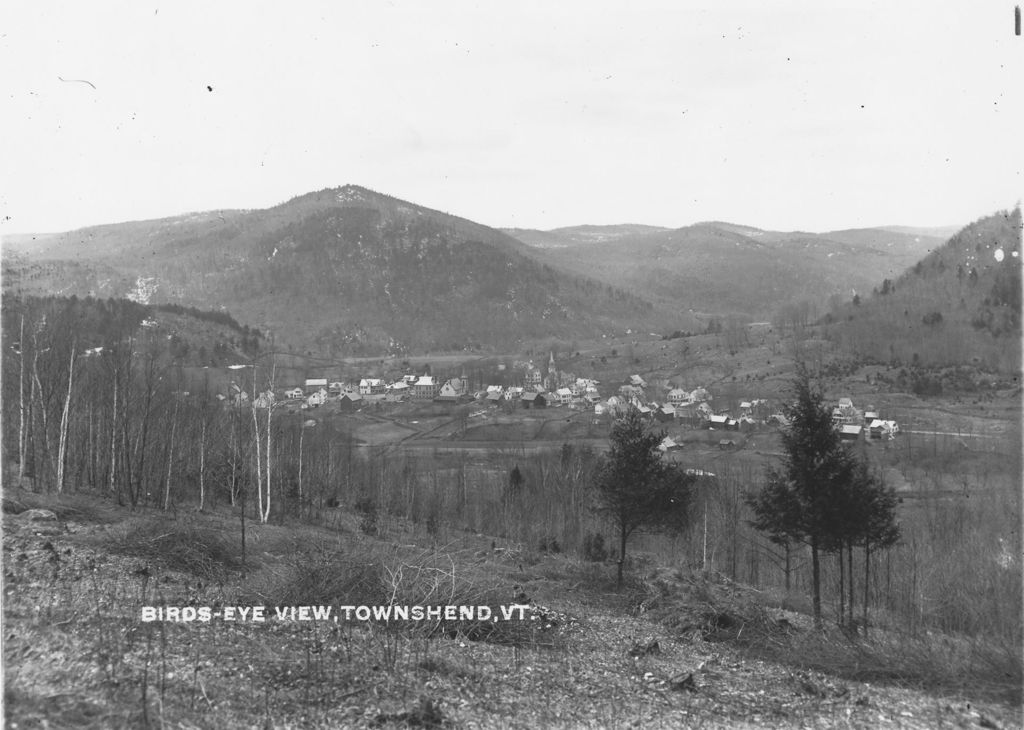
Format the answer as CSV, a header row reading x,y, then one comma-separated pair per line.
x,y
350,396
854,424
556,388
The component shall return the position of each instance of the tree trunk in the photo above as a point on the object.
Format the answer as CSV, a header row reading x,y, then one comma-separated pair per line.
x,y
62,444
170,455
266,505
21,402
302,430
849,572
259,461
789,566
867,575
842,587
202,466
816,582
113,443
622,552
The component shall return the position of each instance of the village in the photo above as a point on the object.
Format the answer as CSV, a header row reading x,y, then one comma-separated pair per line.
x,y
536,388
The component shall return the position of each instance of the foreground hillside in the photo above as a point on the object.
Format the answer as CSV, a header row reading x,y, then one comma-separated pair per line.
x,y
674,649
340,271
960,305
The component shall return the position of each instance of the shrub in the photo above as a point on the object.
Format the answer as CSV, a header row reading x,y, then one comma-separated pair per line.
x,y
594,550
549,544
202,552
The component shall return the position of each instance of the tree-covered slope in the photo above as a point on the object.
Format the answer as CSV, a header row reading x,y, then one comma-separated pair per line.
x,y
959,305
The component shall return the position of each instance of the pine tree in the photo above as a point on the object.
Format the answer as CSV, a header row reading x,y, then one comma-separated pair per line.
x,y
805,502
636,489
823,497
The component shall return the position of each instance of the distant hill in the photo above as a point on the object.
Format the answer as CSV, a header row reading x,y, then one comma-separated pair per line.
x,y
342,271
728,268
579,235
959,305
935,232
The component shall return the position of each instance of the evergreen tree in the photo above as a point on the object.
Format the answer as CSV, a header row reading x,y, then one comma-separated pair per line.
x,y
636,489
804,502
823,497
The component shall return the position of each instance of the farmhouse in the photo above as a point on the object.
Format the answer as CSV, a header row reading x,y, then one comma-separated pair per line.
x,y
723,422
371,386
668,444
294,393
665,413
350,402
317,399
534,400
564,396
879,429
850,432
676,396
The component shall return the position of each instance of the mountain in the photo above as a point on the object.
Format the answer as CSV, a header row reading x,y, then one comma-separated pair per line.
x,y
340,271
959,305
718,267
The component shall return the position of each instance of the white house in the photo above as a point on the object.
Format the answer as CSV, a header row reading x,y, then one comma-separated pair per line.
x,y
563,396
371,386
667,444
448,392
294,393
317,399
676,396
880,429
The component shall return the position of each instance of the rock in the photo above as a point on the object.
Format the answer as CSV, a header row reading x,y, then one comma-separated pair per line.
x,y
38,515
683,682
651,647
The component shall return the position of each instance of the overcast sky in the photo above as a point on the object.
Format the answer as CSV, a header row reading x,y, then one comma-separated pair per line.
x,y
537,114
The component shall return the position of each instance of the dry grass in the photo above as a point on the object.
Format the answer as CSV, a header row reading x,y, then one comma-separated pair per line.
x,y
175,545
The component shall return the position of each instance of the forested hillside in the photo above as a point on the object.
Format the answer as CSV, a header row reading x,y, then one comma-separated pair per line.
x,y
960,305
343,271
724,268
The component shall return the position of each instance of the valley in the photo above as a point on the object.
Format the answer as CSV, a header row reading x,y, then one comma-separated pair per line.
x,y
349,399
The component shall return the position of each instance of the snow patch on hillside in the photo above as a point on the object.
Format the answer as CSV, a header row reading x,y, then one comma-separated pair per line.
x,y
144,289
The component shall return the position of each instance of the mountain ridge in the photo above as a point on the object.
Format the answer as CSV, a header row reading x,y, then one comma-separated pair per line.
x,y
342,270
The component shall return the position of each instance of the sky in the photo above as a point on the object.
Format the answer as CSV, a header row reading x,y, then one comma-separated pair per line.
x,y
802,115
